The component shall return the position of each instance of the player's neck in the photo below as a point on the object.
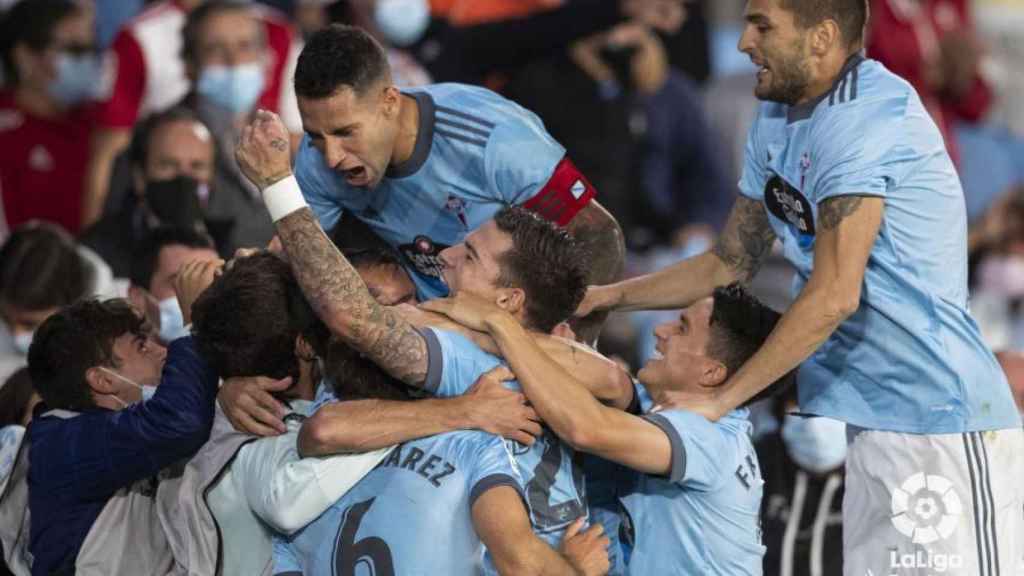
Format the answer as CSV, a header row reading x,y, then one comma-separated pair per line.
x,y
37,103
408,130
824,77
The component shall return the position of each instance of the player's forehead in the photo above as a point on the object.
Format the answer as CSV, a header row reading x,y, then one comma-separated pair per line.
x,y
488,241
341,109
766,12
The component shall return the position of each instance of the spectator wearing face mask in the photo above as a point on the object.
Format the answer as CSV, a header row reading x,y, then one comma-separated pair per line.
x,y
41,270
118,408
51,72
801,512
17,399
168,178
155,266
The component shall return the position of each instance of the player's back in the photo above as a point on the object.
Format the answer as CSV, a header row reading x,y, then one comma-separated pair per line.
x,y
410,515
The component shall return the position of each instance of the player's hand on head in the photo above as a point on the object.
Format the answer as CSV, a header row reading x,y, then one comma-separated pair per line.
x,y
587,551
493,408
249,406
263,151
192,279
466,309
597,299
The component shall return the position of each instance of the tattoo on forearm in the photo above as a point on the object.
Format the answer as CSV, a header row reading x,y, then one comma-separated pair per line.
x,y
834,210
746,240
335,290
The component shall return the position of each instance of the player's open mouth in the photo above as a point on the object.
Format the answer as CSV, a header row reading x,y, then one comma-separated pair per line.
x,y
762,72
356,176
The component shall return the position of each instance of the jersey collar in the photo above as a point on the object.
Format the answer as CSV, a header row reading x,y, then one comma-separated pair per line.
x,y
424,138
804,111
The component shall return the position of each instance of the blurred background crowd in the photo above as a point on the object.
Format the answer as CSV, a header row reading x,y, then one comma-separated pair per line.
x,y
119,118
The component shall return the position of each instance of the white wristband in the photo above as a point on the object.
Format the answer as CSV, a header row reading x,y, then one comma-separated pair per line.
x,y
283,197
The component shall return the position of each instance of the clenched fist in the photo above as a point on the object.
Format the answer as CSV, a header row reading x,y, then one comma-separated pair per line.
x,y
263,151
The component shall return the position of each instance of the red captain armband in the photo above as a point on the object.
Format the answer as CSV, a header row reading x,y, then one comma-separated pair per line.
x,y
566,193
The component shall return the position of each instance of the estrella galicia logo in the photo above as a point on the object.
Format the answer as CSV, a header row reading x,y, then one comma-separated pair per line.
x,y
425,256
787,204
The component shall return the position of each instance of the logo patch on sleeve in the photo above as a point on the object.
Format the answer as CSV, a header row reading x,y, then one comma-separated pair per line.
x,y
424,255
787,204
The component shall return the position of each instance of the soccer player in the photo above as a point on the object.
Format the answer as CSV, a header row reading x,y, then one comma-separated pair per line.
x,y
425,167
847,169
428,507
698,493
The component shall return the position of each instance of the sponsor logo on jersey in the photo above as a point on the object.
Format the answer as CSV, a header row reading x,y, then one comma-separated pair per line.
x,y
787,204
424,255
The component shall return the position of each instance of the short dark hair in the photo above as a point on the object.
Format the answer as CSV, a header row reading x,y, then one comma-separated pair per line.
x,y
138,150
246,322
40,268
850,15
340,56
361,246
73,340
30,22
197,17
739,326
353,376
546,263
146,256
14,396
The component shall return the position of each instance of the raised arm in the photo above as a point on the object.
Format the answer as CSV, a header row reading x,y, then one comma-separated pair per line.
x,y
736,256
330,283
847,231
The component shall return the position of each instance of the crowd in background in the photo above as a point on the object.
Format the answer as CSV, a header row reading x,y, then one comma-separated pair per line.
x,y
119,118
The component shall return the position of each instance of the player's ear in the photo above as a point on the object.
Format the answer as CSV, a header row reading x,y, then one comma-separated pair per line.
x,y
713,373
511,300
390,100
824,36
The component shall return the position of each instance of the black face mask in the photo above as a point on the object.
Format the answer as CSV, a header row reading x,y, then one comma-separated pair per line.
x,y
175,202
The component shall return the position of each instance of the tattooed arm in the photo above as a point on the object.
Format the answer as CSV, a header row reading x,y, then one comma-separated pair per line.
x,y
341,300
848,227
737,255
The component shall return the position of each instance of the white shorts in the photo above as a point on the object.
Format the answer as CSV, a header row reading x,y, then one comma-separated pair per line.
x,y
941,504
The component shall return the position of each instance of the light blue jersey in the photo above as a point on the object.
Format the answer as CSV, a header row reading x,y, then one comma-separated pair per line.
x,y
911,359
475,153
551,471
704,518
412,515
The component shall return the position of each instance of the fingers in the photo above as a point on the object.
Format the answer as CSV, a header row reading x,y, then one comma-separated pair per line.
x,y
595,531
522,437
574,528
438,305
499,374
533,429
249,425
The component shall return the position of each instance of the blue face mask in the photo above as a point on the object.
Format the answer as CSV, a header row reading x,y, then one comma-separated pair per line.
x,y
236,88
816,444
78,79
402,22
172,323
146,390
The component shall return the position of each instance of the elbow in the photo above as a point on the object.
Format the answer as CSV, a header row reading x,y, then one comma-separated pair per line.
x,y
841,303
314,436
582,437
619,388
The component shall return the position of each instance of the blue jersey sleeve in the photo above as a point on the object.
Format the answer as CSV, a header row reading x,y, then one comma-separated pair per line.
x,y
698,448
753,178
491,465
454,363
520,158
859,148
285,561
315,181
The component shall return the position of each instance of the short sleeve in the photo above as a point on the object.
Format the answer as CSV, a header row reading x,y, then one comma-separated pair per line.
x,y
753,177
858,149
311,174
698,448
520,158
121,108
285,561
492,466
454,363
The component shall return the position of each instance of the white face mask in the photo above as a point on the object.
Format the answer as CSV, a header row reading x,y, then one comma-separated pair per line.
x,y
172,323
147,390
402,22
22,341
815,444
1003,275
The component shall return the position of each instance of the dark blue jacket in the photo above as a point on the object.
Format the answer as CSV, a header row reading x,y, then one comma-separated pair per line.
x,y
76,464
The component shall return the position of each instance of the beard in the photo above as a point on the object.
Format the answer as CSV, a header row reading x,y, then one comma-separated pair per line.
x,y
789,79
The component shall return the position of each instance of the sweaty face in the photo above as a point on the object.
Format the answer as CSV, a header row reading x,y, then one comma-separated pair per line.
x,y
355,134
681,360
474,265
180,148
389,284
778,48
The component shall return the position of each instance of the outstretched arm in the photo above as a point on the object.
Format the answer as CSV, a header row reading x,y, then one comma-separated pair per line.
x,y
736,257
330,283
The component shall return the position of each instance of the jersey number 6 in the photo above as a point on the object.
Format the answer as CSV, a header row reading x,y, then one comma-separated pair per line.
x,y
373,551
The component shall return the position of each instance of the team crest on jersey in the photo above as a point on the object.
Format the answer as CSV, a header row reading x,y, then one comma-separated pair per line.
x,y
457,206
787,204
425,255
